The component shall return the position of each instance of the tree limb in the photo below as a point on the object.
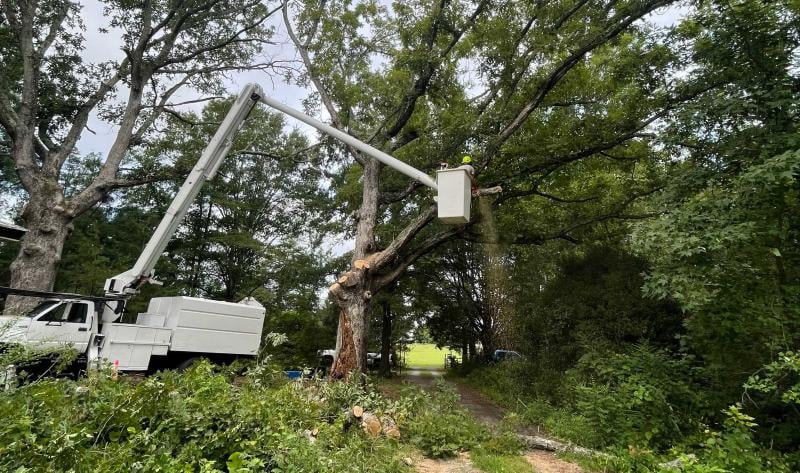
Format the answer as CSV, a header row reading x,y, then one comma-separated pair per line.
x,y
381,258
555,76
327,100
420,86
397,196
425,247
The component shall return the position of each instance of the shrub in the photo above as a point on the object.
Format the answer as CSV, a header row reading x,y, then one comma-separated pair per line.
x,y
643,398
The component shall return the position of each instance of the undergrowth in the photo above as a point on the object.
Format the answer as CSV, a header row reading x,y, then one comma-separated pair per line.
x,y
209,419
642,409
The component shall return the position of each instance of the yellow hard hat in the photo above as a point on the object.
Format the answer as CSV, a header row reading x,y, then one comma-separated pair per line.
x,y
466,159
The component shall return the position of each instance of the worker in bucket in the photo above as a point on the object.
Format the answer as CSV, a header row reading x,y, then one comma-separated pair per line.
x,y
466,164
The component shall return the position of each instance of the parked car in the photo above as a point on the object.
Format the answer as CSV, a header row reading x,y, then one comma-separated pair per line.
x,y
374,360
504,355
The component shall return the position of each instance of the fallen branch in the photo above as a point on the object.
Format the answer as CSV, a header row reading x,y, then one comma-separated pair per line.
x,y
541,443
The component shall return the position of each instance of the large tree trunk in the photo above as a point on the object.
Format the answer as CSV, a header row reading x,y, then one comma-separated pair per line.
x,y
49,224
386,339
353,291
351,348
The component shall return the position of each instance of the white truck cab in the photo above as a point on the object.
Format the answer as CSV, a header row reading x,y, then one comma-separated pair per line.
x,y
53,322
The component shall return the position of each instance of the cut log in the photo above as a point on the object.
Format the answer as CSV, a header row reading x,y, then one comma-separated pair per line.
x,y
310,436
358,411
390,429
349,420
371,424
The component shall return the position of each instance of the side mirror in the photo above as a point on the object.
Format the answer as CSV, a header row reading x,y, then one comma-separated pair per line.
x,y
53,323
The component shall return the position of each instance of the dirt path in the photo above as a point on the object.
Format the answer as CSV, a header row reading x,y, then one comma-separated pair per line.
x,y
489,414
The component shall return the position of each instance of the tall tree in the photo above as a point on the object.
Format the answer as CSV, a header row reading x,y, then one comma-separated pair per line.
x,y
573,79
49,90
726,245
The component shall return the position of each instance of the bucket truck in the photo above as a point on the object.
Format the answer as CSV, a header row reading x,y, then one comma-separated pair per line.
x,y
177,330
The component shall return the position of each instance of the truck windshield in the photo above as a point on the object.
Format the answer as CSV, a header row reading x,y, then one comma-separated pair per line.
x,y
42,307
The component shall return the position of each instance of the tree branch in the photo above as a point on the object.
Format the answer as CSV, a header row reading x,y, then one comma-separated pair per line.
x,y
555,76
392,197
55,27
425,247
158,110
327,100
383,257
420,86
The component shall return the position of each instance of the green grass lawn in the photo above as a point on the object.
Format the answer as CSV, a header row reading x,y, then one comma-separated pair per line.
x,y
426,355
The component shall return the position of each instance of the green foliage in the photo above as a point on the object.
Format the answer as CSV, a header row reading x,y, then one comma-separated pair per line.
x,y
725,246
199,420
773,394
641,408
441,426
306,331
556,328
731,449
31,362
645,397
780,378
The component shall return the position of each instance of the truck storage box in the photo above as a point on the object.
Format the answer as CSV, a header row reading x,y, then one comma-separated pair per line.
x,y
205,326
132,345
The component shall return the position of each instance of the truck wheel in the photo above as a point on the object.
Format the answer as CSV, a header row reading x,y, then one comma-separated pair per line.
x,y
187,363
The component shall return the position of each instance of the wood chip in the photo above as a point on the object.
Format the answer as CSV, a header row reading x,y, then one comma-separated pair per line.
x,y
390,429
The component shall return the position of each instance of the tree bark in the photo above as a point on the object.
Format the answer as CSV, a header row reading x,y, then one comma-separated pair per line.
x,y
49,224
353,291
386,339
487,343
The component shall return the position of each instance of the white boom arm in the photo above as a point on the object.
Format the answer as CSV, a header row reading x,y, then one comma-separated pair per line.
x,y
390,161
129,281
206,167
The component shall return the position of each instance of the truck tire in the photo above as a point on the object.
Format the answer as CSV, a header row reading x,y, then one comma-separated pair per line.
x,y
187,363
